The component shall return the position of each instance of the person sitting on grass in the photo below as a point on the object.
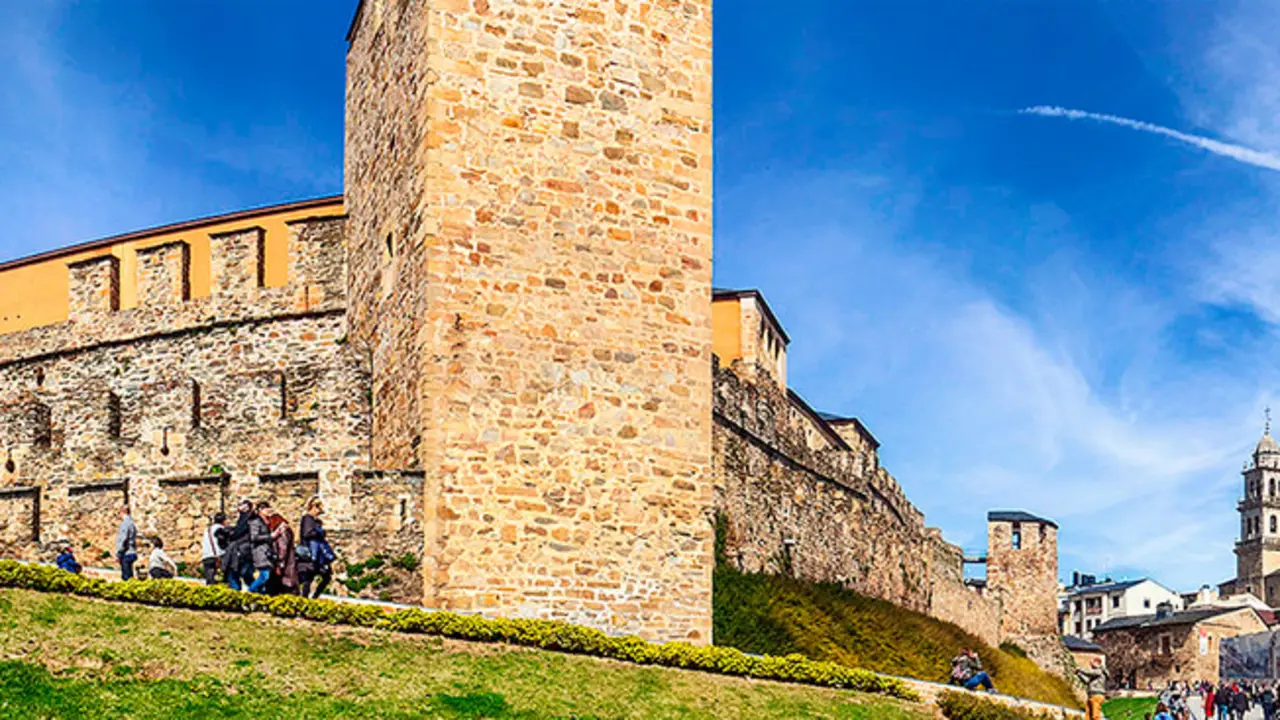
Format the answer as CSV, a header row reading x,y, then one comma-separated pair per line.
x,y
160,566
67,561
966,671
1162,712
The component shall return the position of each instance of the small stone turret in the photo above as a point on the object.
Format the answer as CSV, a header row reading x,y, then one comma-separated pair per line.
x,y
1022,572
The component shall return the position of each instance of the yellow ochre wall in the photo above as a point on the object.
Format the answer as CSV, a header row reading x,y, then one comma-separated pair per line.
x,y
36,293
726,330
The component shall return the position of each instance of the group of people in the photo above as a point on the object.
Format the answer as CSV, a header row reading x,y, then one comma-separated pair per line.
x,y
1231,701
259,553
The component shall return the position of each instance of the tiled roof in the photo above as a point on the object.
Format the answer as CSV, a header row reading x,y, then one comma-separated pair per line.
x,y
1186,617
1105,587
1079,644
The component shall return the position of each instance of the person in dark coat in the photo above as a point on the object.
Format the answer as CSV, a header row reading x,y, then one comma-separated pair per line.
x,y
237,559
313,560
261,549
1239,702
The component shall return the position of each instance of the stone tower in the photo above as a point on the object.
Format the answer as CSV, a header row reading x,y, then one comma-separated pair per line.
x,y
529,194
1258,552
1022,572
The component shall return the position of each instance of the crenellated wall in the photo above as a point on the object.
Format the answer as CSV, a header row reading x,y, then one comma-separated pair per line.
x,y
181,405
800,499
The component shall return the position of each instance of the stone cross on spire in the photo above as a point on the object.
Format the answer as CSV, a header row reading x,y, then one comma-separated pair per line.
x,y
1267,428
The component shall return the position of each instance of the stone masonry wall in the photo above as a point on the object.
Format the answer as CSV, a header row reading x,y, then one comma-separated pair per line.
x,y
184,406
530,189
1025,580
827,514
952,600
1137,657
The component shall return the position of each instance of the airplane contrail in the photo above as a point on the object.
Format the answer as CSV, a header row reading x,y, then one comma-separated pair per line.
x,y
1240,153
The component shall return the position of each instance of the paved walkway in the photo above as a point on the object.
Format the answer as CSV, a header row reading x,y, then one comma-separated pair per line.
x,y
1197,710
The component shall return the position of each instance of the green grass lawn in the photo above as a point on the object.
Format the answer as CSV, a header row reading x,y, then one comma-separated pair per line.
x,y
1129,708
68,657
777,615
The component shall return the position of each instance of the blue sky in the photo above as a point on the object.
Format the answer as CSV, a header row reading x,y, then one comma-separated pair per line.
x,y
1062,314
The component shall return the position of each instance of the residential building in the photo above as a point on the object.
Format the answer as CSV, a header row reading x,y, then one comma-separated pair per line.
x,y
1086,605
1148,651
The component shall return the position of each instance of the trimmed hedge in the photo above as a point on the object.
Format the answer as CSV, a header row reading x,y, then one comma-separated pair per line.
x,y
971,706
542,634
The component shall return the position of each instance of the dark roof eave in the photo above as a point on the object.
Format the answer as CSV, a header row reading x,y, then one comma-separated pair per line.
x,y
172,227
1017,516
860,427
728,294
822,423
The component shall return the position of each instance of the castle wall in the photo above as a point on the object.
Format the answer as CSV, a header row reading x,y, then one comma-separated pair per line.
x,y
952,600
798,506
1024,577
181,406
544,178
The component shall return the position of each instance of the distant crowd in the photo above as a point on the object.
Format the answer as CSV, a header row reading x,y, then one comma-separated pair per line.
x,y
260,553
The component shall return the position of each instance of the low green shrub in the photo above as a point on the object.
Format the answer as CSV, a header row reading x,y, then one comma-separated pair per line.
x,y
543,634
970,706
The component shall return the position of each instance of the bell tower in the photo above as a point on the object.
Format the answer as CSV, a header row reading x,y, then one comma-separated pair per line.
x,y
1258,550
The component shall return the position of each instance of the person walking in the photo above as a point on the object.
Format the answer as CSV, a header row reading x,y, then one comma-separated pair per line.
x,y
1209,704
1267,699
315,557
1239,702
1094,680
126,544
1223,698
211,549
260,549
160,566
237,560
286,559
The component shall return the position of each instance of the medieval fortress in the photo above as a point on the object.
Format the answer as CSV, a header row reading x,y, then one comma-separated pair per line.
x,y
499,352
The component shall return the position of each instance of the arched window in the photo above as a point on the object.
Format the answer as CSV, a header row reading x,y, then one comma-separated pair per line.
x,y
1271,487
1273,523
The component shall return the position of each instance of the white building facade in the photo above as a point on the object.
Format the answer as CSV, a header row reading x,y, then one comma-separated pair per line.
x,y
1087,606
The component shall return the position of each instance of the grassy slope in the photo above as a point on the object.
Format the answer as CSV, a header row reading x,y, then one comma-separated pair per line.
x,y
72,657
779,615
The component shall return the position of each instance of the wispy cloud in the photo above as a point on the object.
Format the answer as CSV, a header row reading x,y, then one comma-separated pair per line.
x,y
984,404
1249,156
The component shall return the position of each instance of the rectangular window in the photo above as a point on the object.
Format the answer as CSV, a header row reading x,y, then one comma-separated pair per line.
x,y
1016,539
1146,603
1115,601
1166,645
195,405
115,421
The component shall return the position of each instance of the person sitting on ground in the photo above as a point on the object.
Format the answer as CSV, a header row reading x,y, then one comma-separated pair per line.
x,y
1162,712
966,671
1094,680
160,566
67,561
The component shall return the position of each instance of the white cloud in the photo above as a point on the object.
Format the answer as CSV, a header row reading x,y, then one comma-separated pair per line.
x,y
1243,154
981,406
